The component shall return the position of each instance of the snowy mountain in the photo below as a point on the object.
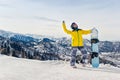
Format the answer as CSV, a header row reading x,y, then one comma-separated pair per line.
x,y
16,36
105,46
22,69
6,34
22,38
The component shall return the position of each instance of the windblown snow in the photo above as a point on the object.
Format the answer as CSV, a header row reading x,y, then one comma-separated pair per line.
x,y
23,69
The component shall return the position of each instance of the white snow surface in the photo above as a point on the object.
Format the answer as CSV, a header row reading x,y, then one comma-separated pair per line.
x,y
23,69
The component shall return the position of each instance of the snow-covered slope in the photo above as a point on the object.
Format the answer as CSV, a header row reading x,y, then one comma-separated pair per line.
x,y
22,69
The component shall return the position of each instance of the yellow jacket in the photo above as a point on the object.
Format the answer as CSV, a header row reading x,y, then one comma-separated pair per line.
x,y
77,39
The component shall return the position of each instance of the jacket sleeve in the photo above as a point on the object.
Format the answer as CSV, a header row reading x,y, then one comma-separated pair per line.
x,y
86,32
65,29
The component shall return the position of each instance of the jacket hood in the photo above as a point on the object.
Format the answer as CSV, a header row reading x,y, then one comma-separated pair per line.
x,y
72,26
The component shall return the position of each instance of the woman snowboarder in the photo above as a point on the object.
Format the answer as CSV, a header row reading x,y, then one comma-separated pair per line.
x,y
77,42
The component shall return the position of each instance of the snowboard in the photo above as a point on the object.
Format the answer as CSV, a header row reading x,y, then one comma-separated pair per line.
x,y
94,48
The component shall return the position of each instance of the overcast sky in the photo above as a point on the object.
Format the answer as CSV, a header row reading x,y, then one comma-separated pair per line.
x,y
44,17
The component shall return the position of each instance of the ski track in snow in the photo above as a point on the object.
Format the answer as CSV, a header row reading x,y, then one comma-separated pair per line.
x,y
23,69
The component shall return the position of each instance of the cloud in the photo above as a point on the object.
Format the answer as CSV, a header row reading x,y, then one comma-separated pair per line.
x,y
7,3
45,19
4,5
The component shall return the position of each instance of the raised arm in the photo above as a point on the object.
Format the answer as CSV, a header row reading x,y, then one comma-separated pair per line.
x,y
65,29
86,32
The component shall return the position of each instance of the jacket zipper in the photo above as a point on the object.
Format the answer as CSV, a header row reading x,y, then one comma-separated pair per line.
x,y
78,37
